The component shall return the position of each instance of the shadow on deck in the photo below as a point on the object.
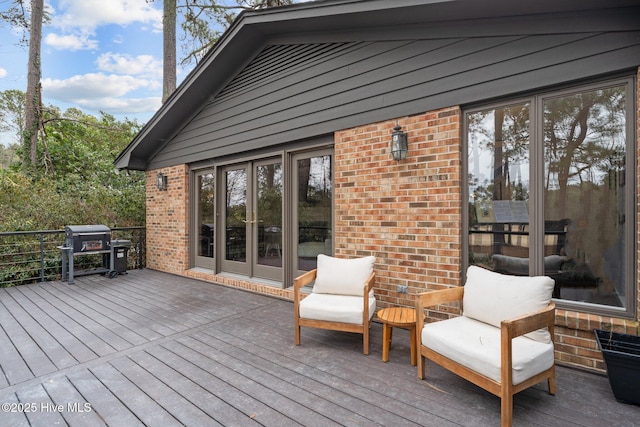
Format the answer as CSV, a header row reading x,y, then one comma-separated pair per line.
x,y
149,348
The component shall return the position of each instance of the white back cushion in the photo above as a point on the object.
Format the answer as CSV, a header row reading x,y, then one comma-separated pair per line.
x,y
491,297
341,276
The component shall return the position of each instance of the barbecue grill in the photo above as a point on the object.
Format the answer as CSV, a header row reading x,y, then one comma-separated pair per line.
x,y
92,240
88,238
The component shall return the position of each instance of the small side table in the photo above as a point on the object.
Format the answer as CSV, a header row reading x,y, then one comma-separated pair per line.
x,y
400,317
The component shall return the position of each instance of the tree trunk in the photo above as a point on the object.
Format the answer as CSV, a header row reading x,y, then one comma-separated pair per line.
x,y
32,105
168,49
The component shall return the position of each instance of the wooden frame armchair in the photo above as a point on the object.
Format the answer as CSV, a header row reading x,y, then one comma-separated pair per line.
x,y
503,357
342,298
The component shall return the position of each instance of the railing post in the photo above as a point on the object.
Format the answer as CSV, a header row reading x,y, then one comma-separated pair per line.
x,y
41,257
140,255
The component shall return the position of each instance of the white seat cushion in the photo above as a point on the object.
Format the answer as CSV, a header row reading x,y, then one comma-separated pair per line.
x,y
342,276
492,297
476,345
335,308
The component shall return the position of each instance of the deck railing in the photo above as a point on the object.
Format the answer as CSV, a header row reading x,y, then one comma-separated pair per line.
x,y
34,256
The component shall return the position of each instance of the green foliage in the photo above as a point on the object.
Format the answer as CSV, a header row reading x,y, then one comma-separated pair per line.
x,y
76,182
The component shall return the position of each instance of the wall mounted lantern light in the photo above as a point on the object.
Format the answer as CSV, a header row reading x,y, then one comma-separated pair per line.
x,y
398,143
161,181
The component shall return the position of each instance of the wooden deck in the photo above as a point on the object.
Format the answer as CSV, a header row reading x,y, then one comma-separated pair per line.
x,y
153,349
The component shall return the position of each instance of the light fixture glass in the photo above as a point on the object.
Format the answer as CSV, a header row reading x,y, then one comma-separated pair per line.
x,y
399,146
161,181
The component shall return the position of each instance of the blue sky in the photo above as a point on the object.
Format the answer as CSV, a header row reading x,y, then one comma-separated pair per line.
x,y
97,55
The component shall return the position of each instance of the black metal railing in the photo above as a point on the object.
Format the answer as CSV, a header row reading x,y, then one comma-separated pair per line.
x,y
35,256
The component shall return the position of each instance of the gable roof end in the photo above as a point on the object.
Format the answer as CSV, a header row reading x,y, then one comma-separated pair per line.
x,y
331,20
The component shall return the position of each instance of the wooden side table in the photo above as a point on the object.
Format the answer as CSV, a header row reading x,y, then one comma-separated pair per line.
x,y
401,317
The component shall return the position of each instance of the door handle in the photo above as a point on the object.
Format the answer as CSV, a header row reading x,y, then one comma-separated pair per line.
x,y
253,219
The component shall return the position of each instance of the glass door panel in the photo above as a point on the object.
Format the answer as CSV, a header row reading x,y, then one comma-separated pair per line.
x,y
313,197
236,222
205,218
268,206
498,179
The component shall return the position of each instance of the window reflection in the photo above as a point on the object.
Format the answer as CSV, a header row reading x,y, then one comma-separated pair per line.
x,y
581,139
269,188
584,193
499,188
206,194
315,190
236,215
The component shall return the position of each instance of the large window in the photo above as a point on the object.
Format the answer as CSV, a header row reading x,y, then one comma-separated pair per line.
x,y
550,190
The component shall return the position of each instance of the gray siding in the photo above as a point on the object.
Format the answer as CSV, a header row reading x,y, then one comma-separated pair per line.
x,y
292,91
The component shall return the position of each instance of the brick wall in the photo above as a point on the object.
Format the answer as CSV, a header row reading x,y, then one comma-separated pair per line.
x,y
406,213
167,220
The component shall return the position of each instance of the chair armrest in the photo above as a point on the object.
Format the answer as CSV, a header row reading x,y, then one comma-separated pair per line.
x,y
304,279
509,329
433,298
299,282
544,318
368,284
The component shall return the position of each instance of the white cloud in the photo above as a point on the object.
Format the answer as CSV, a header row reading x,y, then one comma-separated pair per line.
x,y
122,105
3,72
96,83
70,42
90,14
103,92
133,65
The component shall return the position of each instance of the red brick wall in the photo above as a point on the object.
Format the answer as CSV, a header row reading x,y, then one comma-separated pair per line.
x,y
406,213
167,220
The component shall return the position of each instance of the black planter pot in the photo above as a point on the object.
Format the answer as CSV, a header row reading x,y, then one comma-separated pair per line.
x,y
621,354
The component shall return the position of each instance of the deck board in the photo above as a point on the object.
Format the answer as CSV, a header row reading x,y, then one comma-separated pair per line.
x,y
154,349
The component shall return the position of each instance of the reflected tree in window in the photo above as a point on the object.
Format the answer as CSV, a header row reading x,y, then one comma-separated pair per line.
x,y
315,193
498,182
581,140
236,214
585,150
206,220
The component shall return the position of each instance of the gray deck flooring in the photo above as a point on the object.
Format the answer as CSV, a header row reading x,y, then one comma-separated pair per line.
x,y
149,348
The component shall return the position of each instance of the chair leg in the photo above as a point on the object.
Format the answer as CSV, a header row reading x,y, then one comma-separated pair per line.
x,y
365,340
414,350
420,365
551,382
506,412
297,333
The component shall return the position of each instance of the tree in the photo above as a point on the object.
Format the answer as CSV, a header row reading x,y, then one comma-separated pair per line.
x,y
32,106
12,103
202,23
168,49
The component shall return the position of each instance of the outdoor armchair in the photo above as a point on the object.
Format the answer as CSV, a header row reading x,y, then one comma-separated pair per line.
x,y
502,342
342,298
